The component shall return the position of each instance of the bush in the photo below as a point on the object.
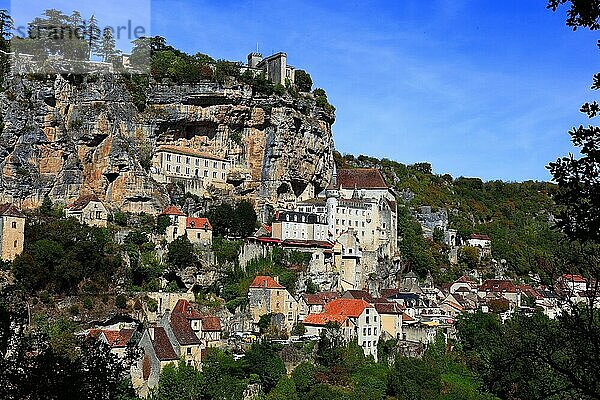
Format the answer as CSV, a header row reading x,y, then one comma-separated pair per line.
x,y
121,301
88,303
279,89
152,305
303,80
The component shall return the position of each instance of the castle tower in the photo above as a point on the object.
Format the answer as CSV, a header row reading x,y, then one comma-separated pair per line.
x,y
254,58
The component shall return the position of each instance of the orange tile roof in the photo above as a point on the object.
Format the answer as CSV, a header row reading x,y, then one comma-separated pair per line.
x,y
498,285
360,178
574,278
265,281
323,318
407,318
198,223
183,331
350,307
172,210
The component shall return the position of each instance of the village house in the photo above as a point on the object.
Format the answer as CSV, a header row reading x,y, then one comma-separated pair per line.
x,y
463,285
357,319
391,318
88,210
267,296
504,288
117,340
12,231
207,328
314,303
347,253
572,283
483,243
197,230
158,352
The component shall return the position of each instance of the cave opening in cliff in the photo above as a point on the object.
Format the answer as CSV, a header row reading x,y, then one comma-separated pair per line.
x,y
189,129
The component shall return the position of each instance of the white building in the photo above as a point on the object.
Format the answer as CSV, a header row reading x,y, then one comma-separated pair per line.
x,y
88,210
292,225
357,319
172,163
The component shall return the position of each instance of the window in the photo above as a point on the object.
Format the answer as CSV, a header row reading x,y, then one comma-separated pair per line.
x,y
205,174
215,164
350,251
364,344
197,162
374,331
189,350
14,225
223,166
187,160
168,157
168,167
369,331
364,331
187,171
215,174
98,214
178,169
223,175
196,172
16,243
206,163
179,159
367,319
174,231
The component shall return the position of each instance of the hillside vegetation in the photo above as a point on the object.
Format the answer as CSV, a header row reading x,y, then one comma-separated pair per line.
x,y
517,217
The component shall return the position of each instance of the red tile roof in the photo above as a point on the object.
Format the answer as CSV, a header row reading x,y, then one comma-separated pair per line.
x,y
320,298
389,292
10,210
350,307
480,237
323,318
162,346
198,223
118,338
388,308
211,324
82,202
172,210
358,294
185,309
268,228
183,331
265,281
498,285
574,278
360,178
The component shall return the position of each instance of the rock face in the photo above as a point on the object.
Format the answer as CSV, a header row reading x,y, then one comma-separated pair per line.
x,y
64,136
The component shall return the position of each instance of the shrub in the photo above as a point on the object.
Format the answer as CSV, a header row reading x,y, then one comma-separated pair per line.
x,y
88,303
152,305
121,301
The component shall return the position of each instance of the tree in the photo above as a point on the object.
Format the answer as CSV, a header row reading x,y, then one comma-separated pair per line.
x,y
245,219
285,390
304,377
107,49
92,36
180,253
262,360
584,13
303,80
331,345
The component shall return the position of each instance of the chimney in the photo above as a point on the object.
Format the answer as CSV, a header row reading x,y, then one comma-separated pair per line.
x,y
276,278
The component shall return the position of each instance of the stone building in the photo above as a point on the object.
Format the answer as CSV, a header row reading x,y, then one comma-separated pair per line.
x,y
347,258
88,210
197,230
359,199
293,225
483,243
12,231
196,170
358,320
267,296
274,67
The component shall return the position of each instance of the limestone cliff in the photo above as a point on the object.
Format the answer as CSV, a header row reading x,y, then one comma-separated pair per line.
x,y
65,136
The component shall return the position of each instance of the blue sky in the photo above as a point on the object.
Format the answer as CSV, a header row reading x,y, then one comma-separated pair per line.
x,y
477,88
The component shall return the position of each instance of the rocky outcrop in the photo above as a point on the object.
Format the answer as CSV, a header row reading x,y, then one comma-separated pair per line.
x,y
64,136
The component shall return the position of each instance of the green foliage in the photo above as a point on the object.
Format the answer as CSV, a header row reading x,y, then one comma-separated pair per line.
x,y
284,390
303,80
121,301
311,287
304,377
59,254
298,329
469,256
179,382
162,223
226,250
236,221
279,89
180,253
224,69
262,360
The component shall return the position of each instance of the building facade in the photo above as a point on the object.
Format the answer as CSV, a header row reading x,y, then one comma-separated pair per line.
x,y
274,67
172,163
267,296
12,231
88,210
